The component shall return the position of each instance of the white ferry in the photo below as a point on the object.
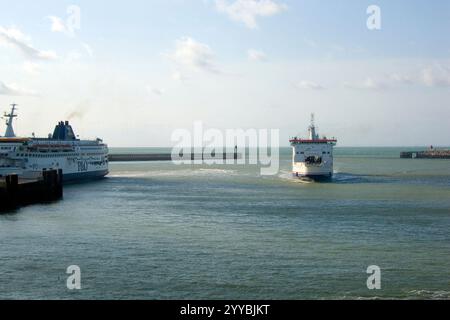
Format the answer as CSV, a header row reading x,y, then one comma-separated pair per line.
x,y
312,157
78,159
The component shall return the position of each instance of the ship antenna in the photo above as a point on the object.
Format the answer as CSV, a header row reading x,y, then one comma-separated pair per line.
x,y
9,121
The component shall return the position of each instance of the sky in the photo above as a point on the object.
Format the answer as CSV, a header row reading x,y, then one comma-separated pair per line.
x,y
133,72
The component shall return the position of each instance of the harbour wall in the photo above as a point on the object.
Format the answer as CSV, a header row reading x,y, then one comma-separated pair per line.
x,y
16,191
429,154
128,157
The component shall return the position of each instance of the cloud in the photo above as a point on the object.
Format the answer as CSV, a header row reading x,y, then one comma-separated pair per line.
x,y
399,78
78,55
155,91
67,28
437,76
256,55
194,55
367,84
88,49
13,37
31,67
73,56
14,90
247,11
58,25
309,85
434,76
178,76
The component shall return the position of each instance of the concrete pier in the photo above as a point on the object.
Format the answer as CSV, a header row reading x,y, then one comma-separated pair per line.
x,y
428,154
16,192
128,157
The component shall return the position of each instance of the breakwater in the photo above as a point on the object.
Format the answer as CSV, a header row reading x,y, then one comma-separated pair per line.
x,y
130,157
428,154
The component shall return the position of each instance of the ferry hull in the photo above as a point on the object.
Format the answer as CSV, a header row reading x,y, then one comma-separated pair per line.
x,y
323,171
314,177
84,176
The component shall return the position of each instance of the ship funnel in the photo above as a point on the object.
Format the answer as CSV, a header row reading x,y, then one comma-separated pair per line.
x,y
63,131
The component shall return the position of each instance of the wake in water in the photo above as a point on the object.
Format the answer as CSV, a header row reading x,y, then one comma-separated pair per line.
x,y
341,177
338,178
283,175
173,173
405,295
287,175
429,294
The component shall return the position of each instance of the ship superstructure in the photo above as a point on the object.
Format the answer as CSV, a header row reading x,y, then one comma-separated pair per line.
x,y
78,159
312,157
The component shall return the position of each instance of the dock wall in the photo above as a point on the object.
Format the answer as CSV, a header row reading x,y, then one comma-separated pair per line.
x,y
429,154
168,157
16,192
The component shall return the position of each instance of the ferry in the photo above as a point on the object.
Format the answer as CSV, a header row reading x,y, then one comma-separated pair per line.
x,y
312,157
78,159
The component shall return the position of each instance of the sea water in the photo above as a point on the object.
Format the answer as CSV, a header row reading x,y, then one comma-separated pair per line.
x,y
156,230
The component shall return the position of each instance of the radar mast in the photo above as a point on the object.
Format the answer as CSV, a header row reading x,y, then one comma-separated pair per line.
x,y
312,129
9,122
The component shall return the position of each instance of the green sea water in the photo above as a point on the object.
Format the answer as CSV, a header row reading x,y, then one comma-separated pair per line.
x,y
158,230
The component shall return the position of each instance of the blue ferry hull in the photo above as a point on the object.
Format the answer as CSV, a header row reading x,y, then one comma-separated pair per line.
x,y
84,176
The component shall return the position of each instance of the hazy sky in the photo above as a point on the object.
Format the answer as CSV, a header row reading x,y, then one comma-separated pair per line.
x,y
132,72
